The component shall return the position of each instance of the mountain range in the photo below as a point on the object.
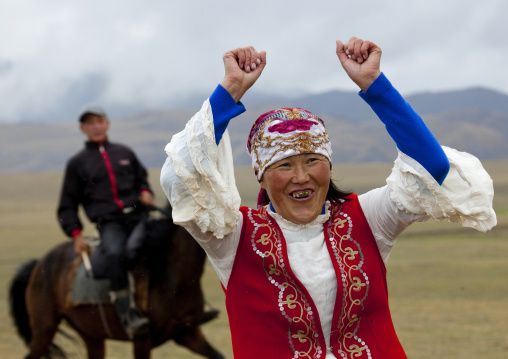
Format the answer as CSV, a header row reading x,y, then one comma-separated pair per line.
x,y
474,120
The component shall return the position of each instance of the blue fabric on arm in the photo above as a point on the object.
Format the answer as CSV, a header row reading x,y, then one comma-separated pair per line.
x,y
224,108
406,127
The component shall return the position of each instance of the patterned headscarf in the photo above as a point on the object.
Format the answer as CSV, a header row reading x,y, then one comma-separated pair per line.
x,y
283,133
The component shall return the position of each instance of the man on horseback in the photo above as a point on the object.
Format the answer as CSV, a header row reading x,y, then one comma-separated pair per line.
x,y
111,185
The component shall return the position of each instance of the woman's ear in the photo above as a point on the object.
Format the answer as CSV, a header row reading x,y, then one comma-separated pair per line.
x,y
262,184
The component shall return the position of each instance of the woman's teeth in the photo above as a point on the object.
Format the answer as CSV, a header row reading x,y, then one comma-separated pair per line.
x,y
302,194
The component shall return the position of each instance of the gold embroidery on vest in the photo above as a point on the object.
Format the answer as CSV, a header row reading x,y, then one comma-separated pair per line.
x,y
355,287
293,305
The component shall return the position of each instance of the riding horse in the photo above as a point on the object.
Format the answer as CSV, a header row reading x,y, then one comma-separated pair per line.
x,y
169,276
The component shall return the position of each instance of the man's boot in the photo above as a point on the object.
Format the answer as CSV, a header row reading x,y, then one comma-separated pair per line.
x,y
133,321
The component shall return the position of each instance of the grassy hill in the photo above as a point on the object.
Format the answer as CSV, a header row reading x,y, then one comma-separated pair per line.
x,y
473,120
448,285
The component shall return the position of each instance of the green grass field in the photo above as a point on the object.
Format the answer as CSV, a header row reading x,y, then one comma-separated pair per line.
x,y
448,285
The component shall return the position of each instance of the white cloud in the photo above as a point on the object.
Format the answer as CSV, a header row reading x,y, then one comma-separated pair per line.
x,y
150,52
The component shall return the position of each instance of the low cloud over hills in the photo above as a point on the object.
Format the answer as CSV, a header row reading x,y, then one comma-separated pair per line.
x,y
473,120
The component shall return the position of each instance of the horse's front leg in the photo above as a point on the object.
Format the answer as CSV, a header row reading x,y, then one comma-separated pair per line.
x,y
142,347
194,339
95,347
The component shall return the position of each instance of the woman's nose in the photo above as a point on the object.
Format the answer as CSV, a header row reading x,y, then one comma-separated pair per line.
x,y
300,175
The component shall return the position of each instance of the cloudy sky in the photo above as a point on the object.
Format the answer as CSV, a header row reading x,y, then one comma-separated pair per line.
x,y
56,55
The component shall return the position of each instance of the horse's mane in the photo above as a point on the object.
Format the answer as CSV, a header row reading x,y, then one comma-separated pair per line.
x,y
159,228
158,241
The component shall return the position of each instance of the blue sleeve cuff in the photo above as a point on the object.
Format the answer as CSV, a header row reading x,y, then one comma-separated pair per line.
x,y
224,108
406,127
382,93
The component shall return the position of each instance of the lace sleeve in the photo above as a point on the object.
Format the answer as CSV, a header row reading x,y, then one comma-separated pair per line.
x,y
465,196
198,179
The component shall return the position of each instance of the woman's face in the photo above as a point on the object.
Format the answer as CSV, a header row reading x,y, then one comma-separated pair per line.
x,y
297,186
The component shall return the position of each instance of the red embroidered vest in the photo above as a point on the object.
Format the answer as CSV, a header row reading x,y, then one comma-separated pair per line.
x,y
271,314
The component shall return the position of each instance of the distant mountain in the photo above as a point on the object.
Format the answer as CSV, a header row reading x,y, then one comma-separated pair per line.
x,y
470,99
473,120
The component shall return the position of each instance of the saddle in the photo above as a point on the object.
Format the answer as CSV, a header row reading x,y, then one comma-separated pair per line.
x,y
85,288
94,288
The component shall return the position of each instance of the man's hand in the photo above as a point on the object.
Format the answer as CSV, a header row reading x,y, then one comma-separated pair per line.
x,y
361,60
79,244
242,66
146,198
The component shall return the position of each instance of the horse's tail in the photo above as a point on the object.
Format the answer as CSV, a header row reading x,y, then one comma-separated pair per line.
x,y
19,311
17,300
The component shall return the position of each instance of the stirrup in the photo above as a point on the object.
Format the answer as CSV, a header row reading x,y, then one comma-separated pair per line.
x,y
137,324
134,322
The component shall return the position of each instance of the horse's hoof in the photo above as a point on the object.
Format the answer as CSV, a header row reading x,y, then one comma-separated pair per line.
x,y
209,315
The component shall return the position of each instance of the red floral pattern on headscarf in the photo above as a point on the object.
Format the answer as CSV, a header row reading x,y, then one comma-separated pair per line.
x,y
292,125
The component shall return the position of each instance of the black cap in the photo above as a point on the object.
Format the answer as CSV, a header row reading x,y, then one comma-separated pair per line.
x,y
91,110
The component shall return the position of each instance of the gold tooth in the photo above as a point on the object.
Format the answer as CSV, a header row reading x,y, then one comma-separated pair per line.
x,y
302,194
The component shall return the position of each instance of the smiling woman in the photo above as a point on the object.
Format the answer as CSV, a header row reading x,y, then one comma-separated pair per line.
x,y
297,186
304,274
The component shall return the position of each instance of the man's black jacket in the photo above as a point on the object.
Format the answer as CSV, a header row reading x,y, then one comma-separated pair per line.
x,y
104,179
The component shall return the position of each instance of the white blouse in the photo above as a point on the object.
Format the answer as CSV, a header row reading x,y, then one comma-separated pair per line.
x,y
198,179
